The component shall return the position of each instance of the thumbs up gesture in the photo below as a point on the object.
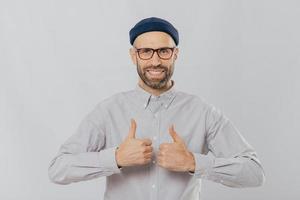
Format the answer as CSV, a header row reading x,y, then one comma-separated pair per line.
x,y
133,151
175,156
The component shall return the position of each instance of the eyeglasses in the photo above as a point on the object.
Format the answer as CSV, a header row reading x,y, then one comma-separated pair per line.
x,y
164,53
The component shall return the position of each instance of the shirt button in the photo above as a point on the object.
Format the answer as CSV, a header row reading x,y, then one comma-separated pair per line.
x,y
204,176
153,161
153,186
221,181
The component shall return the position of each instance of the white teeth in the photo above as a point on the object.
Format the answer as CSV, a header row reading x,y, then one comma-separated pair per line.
x,y
151,70
154,72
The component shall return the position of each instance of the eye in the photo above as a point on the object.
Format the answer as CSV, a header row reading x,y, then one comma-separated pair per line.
x,y
145,50
164,51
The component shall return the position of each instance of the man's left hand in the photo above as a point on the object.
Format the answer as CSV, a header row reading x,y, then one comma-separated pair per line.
x,y
175,156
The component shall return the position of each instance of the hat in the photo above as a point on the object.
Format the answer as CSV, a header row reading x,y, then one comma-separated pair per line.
x,y
153,24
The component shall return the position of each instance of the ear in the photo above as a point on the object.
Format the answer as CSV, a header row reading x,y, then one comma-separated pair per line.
x,y
132,53
176,52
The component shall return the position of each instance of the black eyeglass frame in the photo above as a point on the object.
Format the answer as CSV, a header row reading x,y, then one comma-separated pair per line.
x,y
155,50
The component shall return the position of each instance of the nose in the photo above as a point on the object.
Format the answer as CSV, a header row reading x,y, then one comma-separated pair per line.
x,y
155,60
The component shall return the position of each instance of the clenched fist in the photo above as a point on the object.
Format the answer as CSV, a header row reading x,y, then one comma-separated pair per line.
x,y
175,156
133,151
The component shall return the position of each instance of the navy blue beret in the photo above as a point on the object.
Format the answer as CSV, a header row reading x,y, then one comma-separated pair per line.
x,y
153,24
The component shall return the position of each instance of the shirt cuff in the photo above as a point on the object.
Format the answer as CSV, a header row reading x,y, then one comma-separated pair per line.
x,y
203,165
108,160
120,167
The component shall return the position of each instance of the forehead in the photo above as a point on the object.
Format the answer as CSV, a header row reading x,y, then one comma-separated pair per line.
x,y
154,39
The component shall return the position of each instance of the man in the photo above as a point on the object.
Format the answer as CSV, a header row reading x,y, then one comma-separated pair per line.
x,y
153,142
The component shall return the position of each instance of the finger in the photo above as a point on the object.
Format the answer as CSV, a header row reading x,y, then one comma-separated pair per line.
x,y
160,162
148,155
147,160
159,155
174,135
164,146
148,149
132,129
144,161
146,142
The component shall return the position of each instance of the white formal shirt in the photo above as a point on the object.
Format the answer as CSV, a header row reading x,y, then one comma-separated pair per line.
x,y
221,153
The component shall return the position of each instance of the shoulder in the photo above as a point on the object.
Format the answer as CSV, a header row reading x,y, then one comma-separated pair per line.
x,y
116,99
101,109
192,100
195,103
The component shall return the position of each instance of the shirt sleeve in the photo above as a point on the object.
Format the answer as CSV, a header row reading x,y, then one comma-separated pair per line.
x,y
232,161
84,155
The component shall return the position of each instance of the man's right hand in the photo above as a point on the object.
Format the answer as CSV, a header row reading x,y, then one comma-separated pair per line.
x,y
134,151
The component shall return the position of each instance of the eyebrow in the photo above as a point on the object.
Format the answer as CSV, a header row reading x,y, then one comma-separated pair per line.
x,y
152,48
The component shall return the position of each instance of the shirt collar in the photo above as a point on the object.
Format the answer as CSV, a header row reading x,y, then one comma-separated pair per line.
x,y
167,96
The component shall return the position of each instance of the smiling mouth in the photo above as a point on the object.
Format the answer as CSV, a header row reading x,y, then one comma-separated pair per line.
x,y
155,73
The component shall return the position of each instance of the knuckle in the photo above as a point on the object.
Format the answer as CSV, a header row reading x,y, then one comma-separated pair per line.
x,y
163,146
161,163
146,141
144,149
159,154
150,148
163,152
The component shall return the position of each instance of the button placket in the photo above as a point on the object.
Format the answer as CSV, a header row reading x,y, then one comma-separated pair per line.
x,y
153,179
159,113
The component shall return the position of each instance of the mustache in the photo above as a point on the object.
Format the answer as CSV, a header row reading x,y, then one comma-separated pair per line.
x,y
157,67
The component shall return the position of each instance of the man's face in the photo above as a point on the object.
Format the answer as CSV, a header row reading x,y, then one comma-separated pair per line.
x,y
154,72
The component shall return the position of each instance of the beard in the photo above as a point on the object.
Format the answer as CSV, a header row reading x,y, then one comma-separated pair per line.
x,y
156,83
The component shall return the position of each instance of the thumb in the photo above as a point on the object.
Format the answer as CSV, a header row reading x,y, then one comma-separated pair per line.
x,y
132,129
174,135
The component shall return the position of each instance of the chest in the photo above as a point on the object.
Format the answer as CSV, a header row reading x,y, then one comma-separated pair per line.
x,y
153,123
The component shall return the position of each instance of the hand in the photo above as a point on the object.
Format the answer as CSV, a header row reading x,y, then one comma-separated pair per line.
x,y
134,151
175,156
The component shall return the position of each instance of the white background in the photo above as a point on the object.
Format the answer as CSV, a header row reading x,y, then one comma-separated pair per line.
x,y
59,58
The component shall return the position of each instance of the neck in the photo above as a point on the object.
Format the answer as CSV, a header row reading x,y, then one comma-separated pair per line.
x,y
155,92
